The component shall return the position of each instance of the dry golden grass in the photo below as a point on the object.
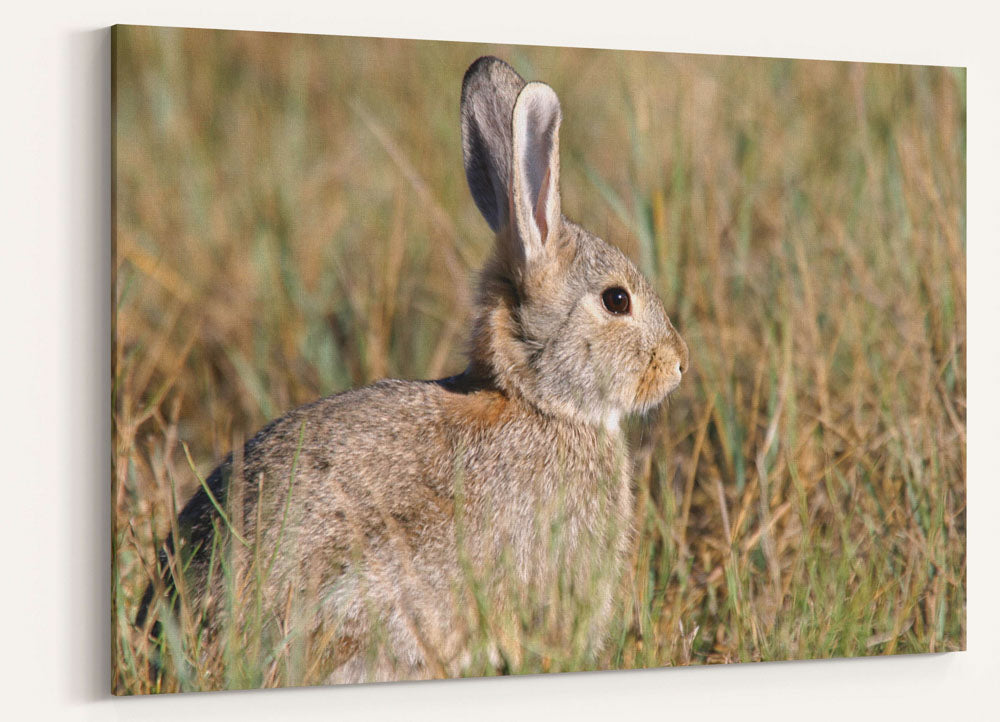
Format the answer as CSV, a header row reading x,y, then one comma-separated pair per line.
x,y
291,220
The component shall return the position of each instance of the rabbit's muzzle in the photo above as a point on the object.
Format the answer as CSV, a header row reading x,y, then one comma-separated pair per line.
x,y
667,364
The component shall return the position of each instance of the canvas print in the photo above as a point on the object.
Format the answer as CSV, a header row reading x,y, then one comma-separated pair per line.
x,y
438,360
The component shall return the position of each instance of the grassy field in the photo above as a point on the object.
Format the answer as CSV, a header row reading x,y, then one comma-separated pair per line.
x,y
292,220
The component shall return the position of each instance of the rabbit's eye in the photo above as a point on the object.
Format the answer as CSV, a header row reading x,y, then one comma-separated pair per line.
x,y
616,300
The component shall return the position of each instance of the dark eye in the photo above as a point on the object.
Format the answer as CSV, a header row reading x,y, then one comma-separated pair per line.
x,y
616,300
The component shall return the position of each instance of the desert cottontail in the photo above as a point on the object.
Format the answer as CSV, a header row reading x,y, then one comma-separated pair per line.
x,y
389,527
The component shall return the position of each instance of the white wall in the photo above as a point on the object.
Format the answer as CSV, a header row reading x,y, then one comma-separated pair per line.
x,y
54,363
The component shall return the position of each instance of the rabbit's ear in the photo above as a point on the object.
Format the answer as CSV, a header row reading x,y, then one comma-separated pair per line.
x,y
489,91
535,184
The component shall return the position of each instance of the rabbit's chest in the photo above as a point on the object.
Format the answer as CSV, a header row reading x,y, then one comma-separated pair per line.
x,y
558,510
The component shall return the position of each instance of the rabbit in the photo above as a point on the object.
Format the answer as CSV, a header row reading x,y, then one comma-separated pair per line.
x,y
391,524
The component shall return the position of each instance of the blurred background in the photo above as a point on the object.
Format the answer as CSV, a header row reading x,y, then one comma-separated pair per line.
x,y
292,219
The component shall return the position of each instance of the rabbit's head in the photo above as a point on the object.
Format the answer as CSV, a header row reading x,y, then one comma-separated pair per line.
x,y
565,320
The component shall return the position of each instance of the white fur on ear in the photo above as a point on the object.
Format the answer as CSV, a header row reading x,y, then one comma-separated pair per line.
x,y
535,181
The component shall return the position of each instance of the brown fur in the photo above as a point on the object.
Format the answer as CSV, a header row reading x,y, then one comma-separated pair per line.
x,y
398,519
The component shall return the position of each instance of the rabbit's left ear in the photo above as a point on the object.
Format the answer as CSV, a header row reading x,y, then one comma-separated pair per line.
x,y
534,195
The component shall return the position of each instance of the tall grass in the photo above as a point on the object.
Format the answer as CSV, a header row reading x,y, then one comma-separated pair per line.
x,y
291,220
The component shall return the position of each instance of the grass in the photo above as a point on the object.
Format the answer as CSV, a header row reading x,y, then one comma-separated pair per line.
x,y
292,220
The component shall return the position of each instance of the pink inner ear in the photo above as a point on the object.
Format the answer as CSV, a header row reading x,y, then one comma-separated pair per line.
x,y
543,195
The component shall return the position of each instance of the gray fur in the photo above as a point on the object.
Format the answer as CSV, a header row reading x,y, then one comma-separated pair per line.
x,y
489,89
394,510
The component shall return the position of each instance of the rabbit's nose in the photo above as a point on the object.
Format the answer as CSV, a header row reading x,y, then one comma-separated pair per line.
x,y
681,348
